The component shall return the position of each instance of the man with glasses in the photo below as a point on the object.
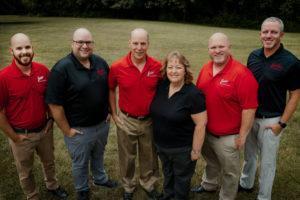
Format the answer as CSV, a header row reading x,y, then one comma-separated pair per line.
x,y
77,95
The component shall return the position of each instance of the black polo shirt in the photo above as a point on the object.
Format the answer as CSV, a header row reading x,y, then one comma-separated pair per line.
x,y
173,126
276,74
82,92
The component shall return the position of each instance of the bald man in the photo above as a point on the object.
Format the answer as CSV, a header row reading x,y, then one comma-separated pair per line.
x,y
136,75
231,100
24,116
77,95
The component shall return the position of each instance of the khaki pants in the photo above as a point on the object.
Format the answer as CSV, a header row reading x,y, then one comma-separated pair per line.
x,y
136,135
23,154
222,165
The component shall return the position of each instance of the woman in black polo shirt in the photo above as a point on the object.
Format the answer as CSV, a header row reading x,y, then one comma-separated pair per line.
x,y
179,119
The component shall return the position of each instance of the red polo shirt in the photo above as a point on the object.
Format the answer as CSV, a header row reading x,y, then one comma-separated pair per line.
x,y
136,89
227,94
22,96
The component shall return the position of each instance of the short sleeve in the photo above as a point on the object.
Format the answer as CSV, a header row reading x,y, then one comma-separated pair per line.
x,y
105,65
293,80
112,79
197,101
56,88
3,93
247,88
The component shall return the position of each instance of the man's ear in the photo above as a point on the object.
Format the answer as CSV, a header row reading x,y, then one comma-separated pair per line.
x,y
11,51
129,41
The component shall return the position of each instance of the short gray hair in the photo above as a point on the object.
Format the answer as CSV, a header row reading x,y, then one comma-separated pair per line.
x,y
274,19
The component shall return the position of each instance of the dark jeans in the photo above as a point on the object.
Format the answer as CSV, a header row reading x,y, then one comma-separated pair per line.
x,y
178,169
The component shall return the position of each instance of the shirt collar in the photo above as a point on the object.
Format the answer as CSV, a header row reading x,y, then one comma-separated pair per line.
x,y
16,71
224,70
166,84
130,63
275,53
78,65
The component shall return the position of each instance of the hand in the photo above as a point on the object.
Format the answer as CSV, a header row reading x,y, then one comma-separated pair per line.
x,y
49,125
195,155
117,120
108,118
239,142
73,132
20,138
276,128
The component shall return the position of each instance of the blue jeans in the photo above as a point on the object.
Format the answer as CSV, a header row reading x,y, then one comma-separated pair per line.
x,y
263,142
88,148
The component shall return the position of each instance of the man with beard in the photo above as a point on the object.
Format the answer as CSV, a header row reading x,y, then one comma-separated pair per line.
x,y
77,95
231,100
24,117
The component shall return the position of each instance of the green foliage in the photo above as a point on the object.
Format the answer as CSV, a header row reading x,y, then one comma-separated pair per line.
x,y
243,13
12,7
51,38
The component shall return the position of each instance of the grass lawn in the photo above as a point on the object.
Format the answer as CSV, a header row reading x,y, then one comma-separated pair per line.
x,y
51,38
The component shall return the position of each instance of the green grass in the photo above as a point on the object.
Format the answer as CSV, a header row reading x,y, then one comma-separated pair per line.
x,y
51,38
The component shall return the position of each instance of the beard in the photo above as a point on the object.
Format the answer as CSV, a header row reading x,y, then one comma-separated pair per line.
x,y
27,61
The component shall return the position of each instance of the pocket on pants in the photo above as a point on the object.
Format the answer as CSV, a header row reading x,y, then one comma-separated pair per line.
x,y
72,143
229,141
272,135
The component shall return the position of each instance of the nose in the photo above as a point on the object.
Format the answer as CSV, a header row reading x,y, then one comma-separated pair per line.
x,y
217,50
268,34
23,50
84,45
173,70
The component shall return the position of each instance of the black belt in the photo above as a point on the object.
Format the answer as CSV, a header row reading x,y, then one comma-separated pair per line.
x,y
26,131
260,116
145,117
218,136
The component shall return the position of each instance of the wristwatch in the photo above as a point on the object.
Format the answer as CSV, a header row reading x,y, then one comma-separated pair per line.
x,y
282,124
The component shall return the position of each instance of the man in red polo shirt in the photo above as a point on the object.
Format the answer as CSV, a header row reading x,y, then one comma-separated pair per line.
x,y
24,116
231,100
136,75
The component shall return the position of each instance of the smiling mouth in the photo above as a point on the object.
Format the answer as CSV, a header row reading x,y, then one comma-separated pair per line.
x,y
85,52
26,57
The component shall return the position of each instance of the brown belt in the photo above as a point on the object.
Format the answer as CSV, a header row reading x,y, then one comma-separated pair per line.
x,y
145,117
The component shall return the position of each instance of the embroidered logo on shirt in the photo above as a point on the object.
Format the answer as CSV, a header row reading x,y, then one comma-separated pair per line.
x,y
151,74
276,66
100,72
224,82
41,79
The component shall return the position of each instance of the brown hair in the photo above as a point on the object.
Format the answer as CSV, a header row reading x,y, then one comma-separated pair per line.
x,y
188,77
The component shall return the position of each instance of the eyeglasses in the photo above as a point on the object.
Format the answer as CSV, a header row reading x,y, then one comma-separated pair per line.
x,y
81,43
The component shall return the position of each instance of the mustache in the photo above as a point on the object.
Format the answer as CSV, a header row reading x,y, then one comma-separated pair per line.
x,y
25,54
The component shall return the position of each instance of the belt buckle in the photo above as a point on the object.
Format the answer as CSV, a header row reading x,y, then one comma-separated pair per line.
x,y
26,131
141,117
